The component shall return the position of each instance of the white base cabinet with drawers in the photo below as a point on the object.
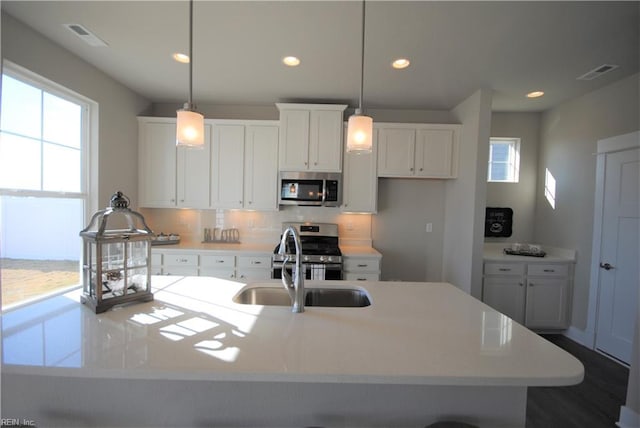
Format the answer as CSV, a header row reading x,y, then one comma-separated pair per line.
x,y
193,263
357,268
537,295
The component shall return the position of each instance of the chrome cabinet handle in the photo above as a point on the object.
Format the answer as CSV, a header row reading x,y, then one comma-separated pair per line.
x,y
363,265
504,270
606,266
549,270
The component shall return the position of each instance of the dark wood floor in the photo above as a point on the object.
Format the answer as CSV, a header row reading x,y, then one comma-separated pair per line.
x,y
595,403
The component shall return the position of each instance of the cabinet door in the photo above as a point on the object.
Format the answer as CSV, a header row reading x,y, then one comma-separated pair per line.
x,y
435,153
360,180
505,295
261,168
227,163
325,140
294,140
547,305
396,152
193,174
157,163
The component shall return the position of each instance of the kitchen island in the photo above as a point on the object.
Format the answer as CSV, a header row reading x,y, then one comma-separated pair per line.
x,y
421,352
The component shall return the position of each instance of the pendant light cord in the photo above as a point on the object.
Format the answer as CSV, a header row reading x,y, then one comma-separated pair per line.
x,y
362,61
190,54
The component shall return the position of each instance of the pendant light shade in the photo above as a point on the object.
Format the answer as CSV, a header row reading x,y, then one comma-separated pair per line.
x,y
360,127
190,128
190,123
359,133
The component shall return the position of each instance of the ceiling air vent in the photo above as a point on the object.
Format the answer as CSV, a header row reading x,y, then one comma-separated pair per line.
x,y
87,36
597,72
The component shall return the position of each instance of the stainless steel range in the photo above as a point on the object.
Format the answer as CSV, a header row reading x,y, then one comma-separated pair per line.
x,y
321,256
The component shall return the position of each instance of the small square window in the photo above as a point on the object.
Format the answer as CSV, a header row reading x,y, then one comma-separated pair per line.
x,y
504,160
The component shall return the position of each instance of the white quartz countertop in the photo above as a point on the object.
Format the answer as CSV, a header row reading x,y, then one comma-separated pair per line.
x,y
413,333
255,248
494,252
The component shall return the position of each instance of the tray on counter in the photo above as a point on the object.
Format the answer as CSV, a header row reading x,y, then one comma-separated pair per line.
x,y
526,253
165,242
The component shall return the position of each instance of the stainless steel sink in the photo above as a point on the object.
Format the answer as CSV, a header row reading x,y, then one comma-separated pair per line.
x,y
326,297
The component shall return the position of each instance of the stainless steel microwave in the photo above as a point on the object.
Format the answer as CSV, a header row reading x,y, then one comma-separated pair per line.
x,y
310,189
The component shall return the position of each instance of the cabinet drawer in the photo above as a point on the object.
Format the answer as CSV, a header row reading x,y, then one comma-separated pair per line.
x,y
361,276
504,268
217,261
548,269
180,260
361,265
254,261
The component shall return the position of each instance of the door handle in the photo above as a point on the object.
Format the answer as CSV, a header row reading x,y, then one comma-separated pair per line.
x,y
606,266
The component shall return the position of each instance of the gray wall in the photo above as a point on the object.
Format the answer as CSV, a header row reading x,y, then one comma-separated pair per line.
x,y
118,106
405,206
520,196
466,197
568,139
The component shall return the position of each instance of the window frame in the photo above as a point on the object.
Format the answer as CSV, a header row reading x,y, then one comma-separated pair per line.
x,y
513,161
88,147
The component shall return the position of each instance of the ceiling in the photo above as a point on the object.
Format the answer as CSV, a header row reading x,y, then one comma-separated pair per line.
x,y
455,48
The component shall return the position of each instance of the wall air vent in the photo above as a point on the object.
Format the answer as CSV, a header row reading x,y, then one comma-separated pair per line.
x,y
87,36
598,71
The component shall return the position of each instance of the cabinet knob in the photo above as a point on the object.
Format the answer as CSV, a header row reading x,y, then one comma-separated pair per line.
x,y
181,200
531,284
306,163
410,169
521,284
420,169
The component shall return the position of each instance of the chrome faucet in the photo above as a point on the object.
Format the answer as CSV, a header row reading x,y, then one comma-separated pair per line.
x,y
295,286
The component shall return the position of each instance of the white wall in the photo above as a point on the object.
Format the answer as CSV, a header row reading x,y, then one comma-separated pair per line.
x,y
520,196
568,140
118,105
466,197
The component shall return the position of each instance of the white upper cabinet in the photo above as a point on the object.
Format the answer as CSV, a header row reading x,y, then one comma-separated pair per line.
x,y
310,137
418,150
171,177
261,168
227,166
244,165
360,182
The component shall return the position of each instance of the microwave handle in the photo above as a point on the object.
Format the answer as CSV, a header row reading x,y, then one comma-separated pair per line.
x,y
324,191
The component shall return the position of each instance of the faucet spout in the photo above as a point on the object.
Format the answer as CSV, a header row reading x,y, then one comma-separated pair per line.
x,y
294,285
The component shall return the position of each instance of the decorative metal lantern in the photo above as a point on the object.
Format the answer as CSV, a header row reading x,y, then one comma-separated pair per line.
x,y
116,259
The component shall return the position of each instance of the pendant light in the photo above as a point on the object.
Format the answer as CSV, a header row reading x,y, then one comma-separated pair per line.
x,y
360,127
190,123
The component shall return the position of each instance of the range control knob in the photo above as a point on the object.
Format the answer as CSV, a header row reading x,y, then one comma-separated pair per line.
x,y
323,258
305,258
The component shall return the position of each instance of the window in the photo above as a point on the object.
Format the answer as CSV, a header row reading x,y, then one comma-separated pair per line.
x,y
504,160
43,185
550,188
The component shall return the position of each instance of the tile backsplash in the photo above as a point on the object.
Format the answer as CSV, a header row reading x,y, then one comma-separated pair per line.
x,y
256,226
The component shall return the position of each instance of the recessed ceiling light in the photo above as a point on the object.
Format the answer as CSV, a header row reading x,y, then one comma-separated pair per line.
x,y
291,61
180,57
400,63
535,94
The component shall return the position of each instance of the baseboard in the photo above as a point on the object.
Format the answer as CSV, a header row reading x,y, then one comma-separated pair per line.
x,y
629,418
584,338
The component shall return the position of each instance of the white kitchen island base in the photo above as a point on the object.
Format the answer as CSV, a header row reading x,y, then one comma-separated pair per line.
x,y
420,353
171,403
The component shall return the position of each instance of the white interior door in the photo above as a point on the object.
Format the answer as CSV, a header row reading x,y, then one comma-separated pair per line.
x,y
619,277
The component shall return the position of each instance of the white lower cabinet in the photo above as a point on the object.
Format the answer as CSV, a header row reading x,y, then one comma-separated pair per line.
x,y
253,267
181,264
537,295
225,266
358,268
